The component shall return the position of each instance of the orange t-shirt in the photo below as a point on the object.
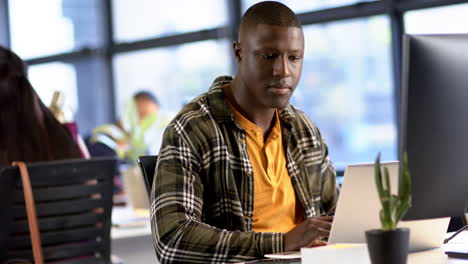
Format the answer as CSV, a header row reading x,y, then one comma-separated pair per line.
x,y
275,205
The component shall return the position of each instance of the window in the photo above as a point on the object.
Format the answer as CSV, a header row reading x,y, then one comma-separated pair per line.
x,y
50,77
175,75
41,28
306,6
440,20
346,85
139,19
346,88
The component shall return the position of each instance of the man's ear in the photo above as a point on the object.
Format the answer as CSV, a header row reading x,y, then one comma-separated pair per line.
x,y
237,51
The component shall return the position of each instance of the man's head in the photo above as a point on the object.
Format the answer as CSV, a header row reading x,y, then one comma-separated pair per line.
x,y
269,54
146,104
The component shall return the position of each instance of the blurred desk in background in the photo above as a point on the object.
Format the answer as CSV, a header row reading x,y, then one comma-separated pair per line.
x,y
131,236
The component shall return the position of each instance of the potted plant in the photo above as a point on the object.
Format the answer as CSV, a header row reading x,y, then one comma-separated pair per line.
x,y
390,244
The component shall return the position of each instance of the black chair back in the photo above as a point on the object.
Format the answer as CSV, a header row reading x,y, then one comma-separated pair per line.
x,y
7,193
74,205
147,165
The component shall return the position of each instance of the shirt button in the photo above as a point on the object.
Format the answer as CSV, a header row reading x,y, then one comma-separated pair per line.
x,y
242,141
249,173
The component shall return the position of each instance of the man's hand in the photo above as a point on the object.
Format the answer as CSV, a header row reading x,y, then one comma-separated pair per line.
x,y
308,233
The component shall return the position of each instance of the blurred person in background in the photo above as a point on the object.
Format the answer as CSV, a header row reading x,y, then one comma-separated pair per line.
x,y
66,118
110,140
145,126
28,130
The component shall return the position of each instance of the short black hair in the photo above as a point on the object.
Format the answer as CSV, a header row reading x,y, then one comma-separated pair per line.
x,y
146,95
269,13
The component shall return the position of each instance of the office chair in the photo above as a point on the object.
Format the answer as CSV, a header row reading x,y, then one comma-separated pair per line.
x,y
147,165
74,204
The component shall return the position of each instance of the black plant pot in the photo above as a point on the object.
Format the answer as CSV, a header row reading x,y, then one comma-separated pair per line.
x,y
388,247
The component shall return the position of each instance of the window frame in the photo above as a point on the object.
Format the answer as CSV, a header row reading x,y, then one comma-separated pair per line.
x,y
394,9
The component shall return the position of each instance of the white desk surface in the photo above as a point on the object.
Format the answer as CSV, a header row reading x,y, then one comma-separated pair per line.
x,y
132,244
359,255
120,214
435,256
459,242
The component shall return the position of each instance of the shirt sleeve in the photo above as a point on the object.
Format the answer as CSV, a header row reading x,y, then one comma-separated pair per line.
x,y
330,190
179,235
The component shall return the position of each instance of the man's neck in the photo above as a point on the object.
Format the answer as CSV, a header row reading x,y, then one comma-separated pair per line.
x,y
264,118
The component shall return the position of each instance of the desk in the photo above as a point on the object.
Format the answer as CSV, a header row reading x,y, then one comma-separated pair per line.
x,y
132,244
434,256
135,245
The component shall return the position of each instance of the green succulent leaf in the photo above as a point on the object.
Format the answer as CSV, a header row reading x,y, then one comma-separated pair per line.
x,y
394,207
378,178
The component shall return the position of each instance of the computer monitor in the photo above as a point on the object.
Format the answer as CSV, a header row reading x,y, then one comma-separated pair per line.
x,y
434,123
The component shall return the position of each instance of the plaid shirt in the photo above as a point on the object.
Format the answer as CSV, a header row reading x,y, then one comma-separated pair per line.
x,y
202,195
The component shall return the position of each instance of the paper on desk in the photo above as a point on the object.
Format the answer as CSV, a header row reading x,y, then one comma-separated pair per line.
x,y
142,212
284,255
129,218
336,253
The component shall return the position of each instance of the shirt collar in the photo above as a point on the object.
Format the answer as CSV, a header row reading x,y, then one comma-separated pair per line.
x,y
223,113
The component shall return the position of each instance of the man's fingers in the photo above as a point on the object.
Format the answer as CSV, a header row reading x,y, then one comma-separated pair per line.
x,y
319,243
321,224
323,232
324,218
305,233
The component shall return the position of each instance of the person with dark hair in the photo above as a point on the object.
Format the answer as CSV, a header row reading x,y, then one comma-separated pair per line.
x,y
28,130
146,96
144,125
145,133
242,173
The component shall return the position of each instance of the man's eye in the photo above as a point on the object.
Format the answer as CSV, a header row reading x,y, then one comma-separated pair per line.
x,y
268,56
294,58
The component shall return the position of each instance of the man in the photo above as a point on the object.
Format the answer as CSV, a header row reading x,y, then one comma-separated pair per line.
x,y
146,132
144,125
241,173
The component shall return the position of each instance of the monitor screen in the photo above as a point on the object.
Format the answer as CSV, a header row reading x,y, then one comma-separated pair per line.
x,y
434,123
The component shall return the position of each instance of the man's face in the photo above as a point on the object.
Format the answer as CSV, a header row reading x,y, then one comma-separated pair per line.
x,y
145,108
269,64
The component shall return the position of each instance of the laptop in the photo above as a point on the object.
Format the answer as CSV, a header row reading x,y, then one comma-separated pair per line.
x,y
358,210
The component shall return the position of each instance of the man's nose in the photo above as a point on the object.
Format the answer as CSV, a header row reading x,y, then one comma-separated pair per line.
x,y
281,67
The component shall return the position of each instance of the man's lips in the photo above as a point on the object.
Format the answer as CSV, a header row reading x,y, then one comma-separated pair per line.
x,y
279,89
